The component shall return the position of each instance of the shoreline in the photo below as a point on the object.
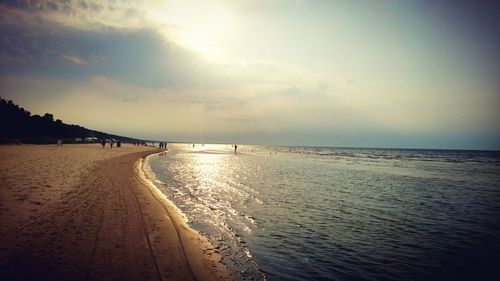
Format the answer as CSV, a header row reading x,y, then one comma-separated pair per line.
x,y
196,248
79,212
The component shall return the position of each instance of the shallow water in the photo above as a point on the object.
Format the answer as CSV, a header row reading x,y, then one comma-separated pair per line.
x,y
316,213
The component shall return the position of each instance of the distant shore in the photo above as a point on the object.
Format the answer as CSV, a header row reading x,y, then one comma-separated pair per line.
x,y
80,212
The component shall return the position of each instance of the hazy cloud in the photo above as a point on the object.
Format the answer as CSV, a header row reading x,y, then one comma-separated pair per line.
x,y
304,72
139,56
81,14
74,59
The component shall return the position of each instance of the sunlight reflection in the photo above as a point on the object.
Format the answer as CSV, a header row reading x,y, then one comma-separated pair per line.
x,y
210,163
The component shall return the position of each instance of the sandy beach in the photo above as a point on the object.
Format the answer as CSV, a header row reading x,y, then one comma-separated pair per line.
x,y
80,212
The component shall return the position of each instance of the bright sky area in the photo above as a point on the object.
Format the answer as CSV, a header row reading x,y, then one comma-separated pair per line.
x,y
387,73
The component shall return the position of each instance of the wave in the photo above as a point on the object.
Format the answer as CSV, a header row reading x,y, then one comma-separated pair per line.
x,y
452,156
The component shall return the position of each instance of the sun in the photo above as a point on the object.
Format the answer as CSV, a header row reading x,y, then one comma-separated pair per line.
x,y
202,26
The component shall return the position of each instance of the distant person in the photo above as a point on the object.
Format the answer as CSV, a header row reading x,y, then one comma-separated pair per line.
x,y
235,148
59,142
111,142
118,144
103,143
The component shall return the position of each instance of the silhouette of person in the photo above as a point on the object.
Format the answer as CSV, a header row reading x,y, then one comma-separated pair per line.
x,y
103,143
235,148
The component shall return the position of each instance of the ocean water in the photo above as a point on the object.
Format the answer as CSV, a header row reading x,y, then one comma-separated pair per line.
x,y
319,213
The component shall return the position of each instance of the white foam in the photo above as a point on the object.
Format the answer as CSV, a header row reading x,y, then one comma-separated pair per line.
x,y
149,177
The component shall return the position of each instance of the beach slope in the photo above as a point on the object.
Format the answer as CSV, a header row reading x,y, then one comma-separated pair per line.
x,y
80,212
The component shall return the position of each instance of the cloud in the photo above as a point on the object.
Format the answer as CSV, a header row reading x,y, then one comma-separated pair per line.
x,y
286,115
80,39
252,6
74,59
31,45
34,43
99,63
81,14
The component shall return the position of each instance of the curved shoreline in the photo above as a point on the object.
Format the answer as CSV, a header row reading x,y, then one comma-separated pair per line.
x,y
141,176
82,213
194,246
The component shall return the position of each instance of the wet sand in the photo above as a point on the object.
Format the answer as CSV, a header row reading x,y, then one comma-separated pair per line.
x,y
80,212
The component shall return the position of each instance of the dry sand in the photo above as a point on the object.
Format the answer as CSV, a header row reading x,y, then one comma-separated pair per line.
x,y
80,212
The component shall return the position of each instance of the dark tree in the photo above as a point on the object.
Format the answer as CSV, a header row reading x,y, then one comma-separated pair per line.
x,y
16,123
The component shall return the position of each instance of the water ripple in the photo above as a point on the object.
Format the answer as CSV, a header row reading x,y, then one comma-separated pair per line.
x,y
315,213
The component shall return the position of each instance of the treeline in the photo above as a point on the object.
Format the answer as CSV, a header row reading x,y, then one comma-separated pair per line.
x,y
18,125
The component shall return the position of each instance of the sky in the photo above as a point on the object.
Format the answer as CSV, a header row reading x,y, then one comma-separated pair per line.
x,y
386,73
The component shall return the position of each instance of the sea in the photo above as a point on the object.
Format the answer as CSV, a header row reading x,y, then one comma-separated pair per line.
x,y
323,213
